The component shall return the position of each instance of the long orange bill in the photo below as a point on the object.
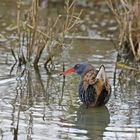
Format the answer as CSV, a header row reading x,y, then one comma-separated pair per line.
x,y
69,71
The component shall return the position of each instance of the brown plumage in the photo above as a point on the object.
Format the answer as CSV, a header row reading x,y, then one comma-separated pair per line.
x,y
94,87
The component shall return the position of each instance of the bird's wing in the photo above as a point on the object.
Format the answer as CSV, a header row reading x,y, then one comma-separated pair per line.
x,y
89,78
102,81
92,76
95,86
96,78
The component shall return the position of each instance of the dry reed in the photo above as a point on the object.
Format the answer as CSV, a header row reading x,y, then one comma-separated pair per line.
x,y
32,40
127,14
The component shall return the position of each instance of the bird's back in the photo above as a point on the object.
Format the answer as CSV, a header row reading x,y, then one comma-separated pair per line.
x,y
94,88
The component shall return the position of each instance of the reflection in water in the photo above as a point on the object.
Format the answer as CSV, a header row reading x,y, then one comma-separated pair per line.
x,y
125,107
94,120
40,104
32,92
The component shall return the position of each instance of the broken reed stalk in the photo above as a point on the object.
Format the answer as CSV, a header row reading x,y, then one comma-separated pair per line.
x,y
21,58
127,15
33,40
18,29
18,17
124,66
34,8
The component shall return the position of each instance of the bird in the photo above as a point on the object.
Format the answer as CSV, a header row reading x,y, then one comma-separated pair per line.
x,y
94,87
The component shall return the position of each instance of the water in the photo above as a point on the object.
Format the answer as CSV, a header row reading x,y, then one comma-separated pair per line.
x,y
42,105
37,107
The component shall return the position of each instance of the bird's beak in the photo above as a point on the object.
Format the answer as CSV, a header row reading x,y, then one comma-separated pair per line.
x,y
69,71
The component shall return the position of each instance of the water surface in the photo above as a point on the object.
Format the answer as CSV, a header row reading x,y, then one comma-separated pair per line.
x,y
42,105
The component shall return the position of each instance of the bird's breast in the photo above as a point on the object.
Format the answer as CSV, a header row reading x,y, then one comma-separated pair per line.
x,y
88,95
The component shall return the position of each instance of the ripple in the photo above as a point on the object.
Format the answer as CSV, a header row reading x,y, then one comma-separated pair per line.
x,y
121,133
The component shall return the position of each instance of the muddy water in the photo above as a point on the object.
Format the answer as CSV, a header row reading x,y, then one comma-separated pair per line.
x,y
41,105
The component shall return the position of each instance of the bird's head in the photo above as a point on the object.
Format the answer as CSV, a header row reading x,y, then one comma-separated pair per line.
x,y
80,69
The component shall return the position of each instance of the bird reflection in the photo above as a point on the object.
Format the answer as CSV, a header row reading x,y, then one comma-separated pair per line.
x,y
94,120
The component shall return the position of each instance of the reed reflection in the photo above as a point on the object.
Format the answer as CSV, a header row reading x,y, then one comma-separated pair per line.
x,y
34,92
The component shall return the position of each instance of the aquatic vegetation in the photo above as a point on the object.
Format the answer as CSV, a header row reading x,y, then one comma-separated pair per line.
x,y
127,16
34,39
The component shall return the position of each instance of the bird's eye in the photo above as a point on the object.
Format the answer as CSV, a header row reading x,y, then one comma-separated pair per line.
x,y
77,66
